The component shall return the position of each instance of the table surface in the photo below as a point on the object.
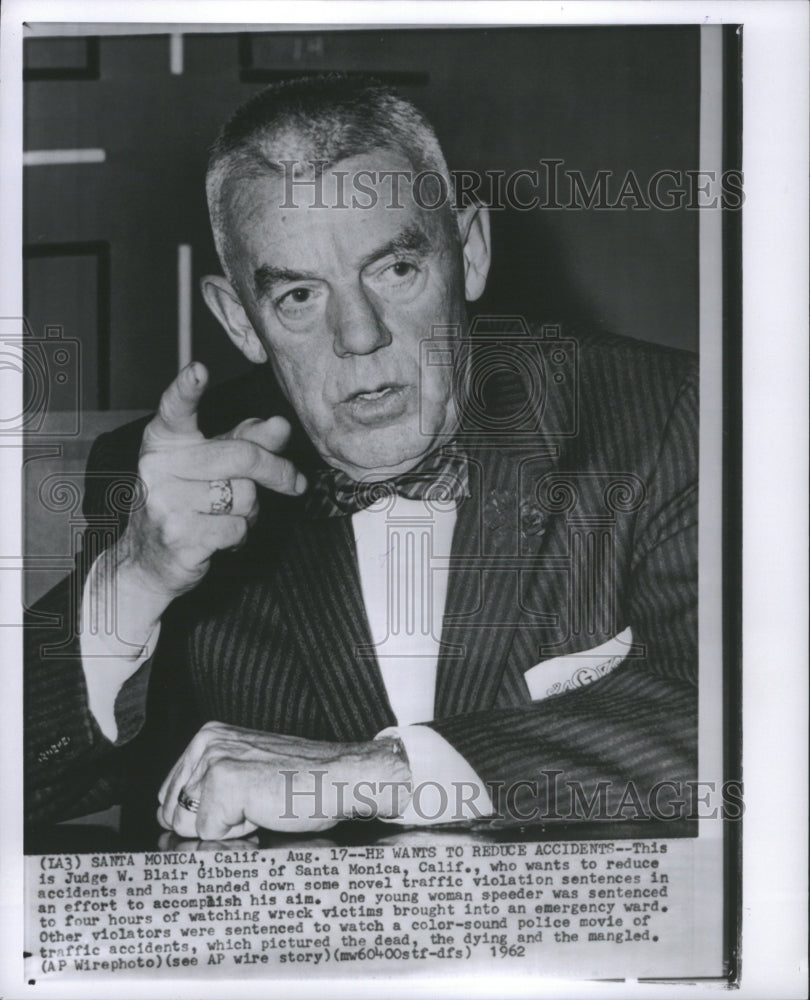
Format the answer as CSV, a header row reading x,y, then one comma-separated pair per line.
x,y
100,834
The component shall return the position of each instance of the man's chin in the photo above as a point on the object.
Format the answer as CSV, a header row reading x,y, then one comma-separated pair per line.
x,y
374,461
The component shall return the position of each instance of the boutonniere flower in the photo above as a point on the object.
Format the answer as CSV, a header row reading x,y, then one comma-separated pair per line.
x,y
532,519
501,512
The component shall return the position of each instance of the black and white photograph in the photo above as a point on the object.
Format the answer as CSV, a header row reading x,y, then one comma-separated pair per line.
x,y
380,447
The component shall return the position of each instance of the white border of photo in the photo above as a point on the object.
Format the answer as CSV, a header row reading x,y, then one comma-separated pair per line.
x,y
775,340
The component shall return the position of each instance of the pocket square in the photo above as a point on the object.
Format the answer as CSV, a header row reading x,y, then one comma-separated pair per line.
x,y
566,673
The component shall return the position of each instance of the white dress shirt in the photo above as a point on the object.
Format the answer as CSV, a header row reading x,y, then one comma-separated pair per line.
x,y
403,553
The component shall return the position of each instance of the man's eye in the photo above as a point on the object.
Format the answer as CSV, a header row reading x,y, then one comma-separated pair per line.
x,y
398,275
400,281
295,301
401,269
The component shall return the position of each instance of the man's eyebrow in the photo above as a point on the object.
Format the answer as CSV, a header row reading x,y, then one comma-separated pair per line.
x,y
410,240
266,276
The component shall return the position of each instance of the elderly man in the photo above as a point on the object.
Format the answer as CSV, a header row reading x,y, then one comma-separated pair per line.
x,y
399,571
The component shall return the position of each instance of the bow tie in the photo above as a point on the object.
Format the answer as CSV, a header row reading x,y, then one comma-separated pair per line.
x,y
441,477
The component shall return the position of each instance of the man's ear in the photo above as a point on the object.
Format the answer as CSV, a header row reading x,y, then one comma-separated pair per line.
x,y
473,223
224,303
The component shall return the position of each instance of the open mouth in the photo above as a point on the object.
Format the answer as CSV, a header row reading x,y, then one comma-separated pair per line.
x,y
373,394
383,402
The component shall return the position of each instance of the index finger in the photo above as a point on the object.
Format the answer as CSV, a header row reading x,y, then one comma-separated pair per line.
x,y
239,459
177,412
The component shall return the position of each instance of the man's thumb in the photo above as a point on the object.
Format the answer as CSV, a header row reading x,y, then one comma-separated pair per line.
x,y
177,412
272,434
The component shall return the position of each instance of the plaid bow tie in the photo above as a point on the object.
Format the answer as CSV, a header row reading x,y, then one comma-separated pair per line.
x,y
441,476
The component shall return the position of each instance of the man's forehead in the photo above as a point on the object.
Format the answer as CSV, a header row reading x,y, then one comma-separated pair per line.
x,y
379,159
380,176
350,203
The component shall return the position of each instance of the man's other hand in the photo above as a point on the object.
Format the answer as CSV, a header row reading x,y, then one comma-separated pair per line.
x,y
238,780
167,546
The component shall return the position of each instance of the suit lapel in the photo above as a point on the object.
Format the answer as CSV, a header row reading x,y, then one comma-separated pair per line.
x,y
498,536
498,557
320,585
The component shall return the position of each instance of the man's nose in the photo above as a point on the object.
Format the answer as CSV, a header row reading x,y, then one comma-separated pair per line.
x,y
357,326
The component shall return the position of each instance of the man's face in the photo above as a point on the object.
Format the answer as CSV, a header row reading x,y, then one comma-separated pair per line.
x,y
341,300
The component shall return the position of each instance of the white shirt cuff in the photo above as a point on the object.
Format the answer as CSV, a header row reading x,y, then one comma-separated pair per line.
x,y
108,660
445,787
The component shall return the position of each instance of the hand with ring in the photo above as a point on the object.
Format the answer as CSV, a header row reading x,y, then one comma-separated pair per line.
x,y
200,493
185,801
221,492
230,781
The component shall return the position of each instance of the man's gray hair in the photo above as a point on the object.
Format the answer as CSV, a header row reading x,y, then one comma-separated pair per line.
x,y
322,119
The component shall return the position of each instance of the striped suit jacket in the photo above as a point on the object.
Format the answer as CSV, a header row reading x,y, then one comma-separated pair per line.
x,y
581,522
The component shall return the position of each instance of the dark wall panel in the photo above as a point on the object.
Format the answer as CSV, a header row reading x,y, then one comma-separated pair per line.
x,y
67,289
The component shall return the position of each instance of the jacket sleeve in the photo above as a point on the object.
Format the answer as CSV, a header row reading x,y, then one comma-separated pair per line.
x,y
607,747
70,766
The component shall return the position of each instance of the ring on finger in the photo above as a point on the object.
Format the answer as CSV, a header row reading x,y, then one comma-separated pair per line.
x,y
220,492
187,802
